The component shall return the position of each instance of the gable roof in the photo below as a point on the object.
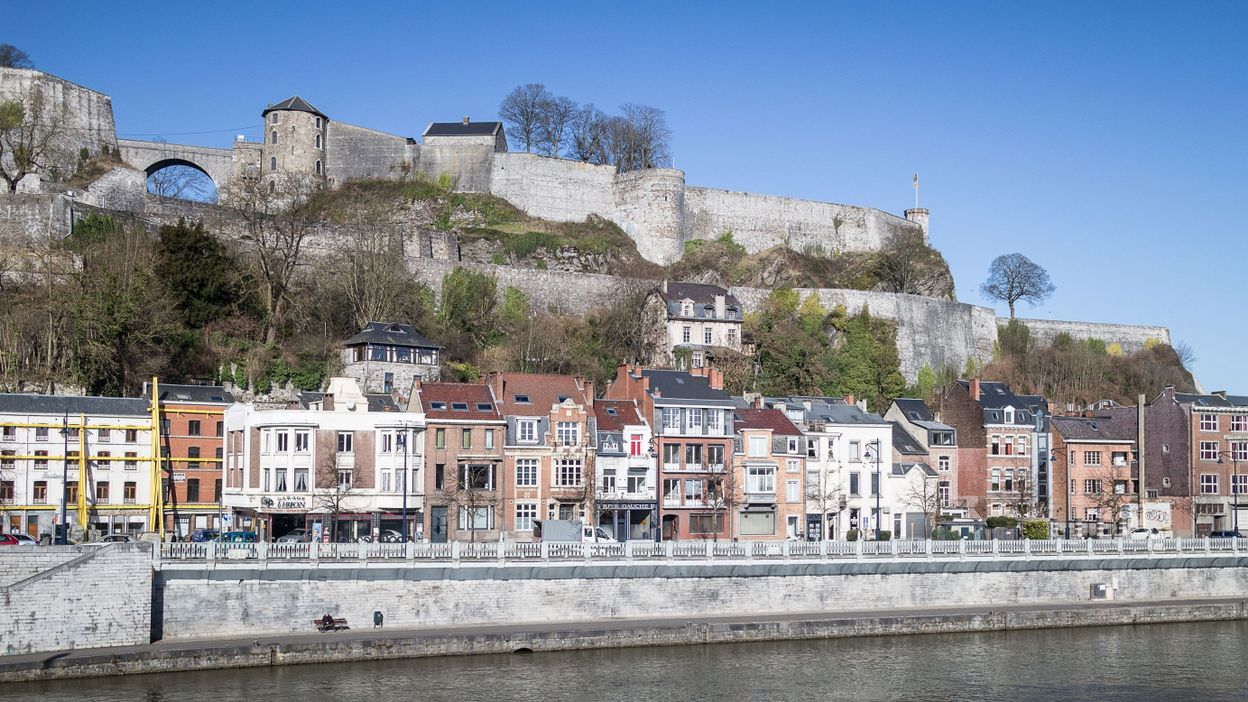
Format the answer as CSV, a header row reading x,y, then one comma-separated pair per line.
x,y
463,129
60,405
391,333
773,419
914,409
543,390
1117,425
994,397
904,443
900,469
614,415
295,103
204,394
474,395
679,386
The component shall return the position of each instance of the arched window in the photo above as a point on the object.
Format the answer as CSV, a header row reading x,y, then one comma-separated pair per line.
x,y
318,141
318,166
272,186
272,118
272,163
273,137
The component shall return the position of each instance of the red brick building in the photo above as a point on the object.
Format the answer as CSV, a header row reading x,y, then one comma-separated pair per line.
x,y
192,444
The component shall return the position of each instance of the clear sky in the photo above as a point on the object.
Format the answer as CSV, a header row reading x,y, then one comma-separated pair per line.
x,y
1105,140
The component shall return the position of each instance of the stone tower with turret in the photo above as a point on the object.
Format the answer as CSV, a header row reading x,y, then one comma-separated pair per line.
x,y
294,139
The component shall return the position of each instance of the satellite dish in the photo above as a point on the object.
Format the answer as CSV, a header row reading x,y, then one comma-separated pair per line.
x,y
350,405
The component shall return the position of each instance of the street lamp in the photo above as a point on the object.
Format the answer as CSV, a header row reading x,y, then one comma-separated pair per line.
x,y
62,537
1234,483
1053,458
879,485
402,441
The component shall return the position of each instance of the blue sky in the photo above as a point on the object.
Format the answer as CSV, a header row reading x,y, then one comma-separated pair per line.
x,y
1103,140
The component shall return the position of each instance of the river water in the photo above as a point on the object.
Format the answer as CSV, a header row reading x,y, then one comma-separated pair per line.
x,y
1202,662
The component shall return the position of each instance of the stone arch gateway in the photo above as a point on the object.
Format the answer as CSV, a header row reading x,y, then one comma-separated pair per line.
x,y
152,156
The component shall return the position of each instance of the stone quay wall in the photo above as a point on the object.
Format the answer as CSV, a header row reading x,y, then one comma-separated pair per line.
x,y
95,596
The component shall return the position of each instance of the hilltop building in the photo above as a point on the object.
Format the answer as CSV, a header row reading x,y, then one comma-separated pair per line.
x,y
689,322
387,357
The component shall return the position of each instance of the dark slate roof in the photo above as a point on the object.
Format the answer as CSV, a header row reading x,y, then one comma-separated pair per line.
x,y
698,293
843,414
21,403
391,333
773,419
1211,400
904,443
680,385
1119,425
377,402
204,394
914,410
994,397
614,415
463,129
295,103
900,469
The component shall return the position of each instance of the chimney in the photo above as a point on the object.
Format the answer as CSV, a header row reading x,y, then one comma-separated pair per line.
x,y
327,402
974,389
849,399
665,285
758,402
717,378
589,392
720,304
465,119
1219,393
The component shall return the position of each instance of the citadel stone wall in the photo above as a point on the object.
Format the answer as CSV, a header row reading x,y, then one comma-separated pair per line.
x,y
356,152
1132,337
86,117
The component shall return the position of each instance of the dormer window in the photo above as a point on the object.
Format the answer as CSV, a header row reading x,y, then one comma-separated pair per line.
x,y
521,399
459,406
686,308
437,405
611,411
1008,414
485,407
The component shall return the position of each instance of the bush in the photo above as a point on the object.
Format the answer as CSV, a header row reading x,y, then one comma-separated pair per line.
x,y
1036,529
851,535
1001,522
885,536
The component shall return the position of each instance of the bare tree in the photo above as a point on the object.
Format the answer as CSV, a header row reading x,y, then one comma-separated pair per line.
x,y
650,145
30,136
470,491
522,111
1023,498
554,119
908,265
335,492
827,497
280,212
375,279
1013,278
182,182
924,495
587,138
1112,494
13,57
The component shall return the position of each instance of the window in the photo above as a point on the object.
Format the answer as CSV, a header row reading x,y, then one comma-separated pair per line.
x,y
41,433
995,446
875,483
732,337
526,512
476,477
318,145
220,429
715,456
1091,458
132,436
6,459
283,442
273,136
1208,450
1239,422
272,118
671,456
272,167
568,473
465,438
715,422
526,431
318,122
216,490
129,493
192,452
791,445
942,463
793,491
994,484
476,518
1239,450
301,441
439,438
344,479
793,465
387,384
568,433
455,406
671,491
942,489
693,456
526,472
812,448
301,480
1007,482
693,490
1091,514
671,420
40,495
1093,487
192,427
760,479
1208,484
1239,484
105,435
634,445
101,492
1020,446
1208,422
686,333
693,419
758,446
192,490
522,400
706,523
854,453
855,487
41,460
489,438
758,523
706,336
608,481
346,442
131,464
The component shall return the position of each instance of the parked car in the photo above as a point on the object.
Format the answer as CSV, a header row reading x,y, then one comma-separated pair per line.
x,y
118,539
1146,533
1227,534
201,535
9,540
563,530
293,536
390,536
238,537
24,539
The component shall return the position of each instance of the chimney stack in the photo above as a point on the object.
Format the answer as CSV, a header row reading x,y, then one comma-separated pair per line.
x,y
849,399
717,379
466,119
720,306
974,389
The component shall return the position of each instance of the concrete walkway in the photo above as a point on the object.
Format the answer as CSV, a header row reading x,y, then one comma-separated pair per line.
x,y
359,643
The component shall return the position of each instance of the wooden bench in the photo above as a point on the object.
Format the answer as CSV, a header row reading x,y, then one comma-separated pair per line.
x,y
338,625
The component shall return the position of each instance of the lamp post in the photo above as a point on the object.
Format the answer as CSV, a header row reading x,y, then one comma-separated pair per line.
x,y
402,440
879,486
1053,458
1234,484
62,537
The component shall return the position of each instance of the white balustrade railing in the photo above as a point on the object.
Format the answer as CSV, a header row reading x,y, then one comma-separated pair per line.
x,y
707,551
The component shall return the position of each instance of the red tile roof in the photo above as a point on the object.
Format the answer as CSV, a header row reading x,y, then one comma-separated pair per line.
x,y
542,390
474,395
772,419
625,414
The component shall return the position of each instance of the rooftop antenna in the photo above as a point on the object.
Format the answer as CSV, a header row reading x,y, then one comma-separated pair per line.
x,y
916,191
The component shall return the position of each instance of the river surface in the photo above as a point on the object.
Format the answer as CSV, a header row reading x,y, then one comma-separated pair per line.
x,y
1202,662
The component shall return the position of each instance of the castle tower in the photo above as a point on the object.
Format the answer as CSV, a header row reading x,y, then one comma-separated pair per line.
x,y
918,215
294,139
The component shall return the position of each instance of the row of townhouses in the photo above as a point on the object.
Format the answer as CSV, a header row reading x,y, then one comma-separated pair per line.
x,y
659,453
